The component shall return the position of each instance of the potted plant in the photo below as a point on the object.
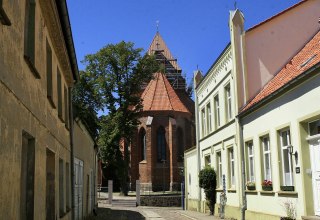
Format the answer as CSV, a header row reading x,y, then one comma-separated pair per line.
x,y
267,185
251,185
290,209
287,188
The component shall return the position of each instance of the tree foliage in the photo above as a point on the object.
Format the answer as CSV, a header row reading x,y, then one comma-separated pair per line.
x,y
116,74
208,181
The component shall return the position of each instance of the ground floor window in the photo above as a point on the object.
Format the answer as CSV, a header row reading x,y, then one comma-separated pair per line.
x,y
266,158
219,169
231,167
286,160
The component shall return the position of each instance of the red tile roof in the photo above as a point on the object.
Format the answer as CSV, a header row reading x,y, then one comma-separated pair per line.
x,y
159,44
302,61
160,96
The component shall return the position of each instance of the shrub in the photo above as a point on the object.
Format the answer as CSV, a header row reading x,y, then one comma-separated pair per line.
x,y
208,181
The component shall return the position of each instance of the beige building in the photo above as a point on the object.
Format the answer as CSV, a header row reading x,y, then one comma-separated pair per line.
x,y
271,79
38,68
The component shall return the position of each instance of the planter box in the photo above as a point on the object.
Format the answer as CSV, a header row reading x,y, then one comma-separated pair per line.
x,y
251,187
267,188
287,188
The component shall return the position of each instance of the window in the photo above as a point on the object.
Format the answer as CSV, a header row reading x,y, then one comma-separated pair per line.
x,y
3,16
314,128
208,111
250,161
27,177
161,144
219,170
66,107
217,111
266,154
49,74
29,36
180,144
228,102
50,185
207,160
61,188
143,144
59,94
231,168
203,122
287,171
68,205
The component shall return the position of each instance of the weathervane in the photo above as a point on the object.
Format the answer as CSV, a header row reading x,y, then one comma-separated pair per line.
x,y
235,5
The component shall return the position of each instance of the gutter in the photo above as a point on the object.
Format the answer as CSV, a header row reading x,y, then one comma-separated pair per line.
x,y
243,173
305,75
67,33
71,153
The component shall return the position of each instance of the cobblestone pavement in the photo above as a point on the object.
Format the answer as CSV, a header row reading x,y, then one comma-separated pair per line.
x,y
157,213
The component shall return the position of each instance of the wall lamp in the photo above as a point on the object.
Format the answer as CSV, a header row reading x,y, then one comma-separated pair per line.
x,y
290,149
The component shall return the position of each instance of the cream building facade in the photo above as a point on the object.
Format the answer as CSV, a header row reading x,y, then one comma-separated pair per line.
x,y
257,56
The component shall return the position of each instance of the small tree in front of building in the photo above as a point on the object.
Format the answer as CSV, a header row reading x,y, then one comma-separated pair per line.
x,y
208,181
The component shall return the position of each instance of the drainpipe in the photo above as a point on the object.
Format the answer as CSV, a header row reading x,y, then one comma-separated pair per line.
x,y
198,144
243,172
71,153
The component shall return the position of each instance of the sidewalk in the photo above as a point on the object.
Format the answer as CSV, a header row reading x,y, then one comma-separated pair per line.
x,y
197,215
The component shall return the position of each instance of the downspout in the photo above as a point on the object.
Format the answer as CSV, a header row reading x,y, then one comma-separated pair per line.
x,y
198,144
243,172
71,153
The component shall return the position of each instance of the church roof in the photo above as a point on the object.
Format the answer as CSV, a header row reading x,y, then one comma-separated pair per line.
x,y
158,45
304,60
159,95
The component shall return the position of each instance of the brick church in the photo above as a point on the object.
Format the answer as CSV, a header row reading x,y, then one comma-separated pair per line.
x,y
167,126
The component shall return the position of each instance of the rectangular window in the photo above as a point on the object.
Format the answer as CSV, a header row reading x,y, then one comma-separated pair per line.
x,y
61,188
209,123
49,74
231,168
29,36
50,186
203,122
266,154
207,160
250,162
68,205
287,170
27,177
66,107
219,170
4,19
228,103
59,89
217,111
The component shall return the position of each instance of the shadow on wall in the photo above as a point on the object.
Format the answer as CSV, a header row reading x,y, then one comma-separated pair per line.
x,y
105,213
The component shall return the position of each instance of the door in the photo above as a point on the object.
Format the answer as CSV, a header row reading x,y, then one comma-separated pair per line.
x,y
314,143
78,188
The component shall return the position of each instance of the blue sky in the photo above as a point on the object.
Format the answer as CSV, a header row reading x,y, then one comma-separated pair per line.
x,y
196,31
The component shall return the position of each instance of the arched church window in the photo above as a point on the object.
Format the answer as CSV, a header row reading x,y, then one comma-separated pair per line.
x,y
143,144
180,144
161,144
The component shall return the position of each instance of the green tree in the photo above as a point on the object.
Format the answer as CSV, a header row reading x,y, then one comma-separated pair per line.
x,y
117,73
208,181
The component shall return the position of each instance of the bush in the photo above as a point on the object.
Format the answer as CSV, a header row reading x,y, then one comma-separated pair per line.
x,y
208,181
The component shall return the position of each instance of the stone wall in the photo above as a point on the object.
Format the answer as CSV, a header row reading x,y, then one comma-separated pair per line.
x,y
161,201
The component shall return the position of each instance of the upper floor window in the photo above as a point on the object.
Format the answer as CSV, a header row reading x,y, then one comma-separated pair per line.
x,y
29,36
208,113
49,75
66,107
286,161
161,144
250,162
203,122
228,102
59,89
4,19
217,111
143,144
266,154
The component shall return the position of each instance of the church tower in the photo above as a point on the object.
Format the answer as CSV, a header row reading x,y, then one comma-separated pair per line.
x,y
167,126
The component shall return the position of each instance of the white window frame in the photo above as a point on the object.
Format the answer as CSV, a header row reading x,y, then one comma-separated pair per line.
x,y
264,153
219,165
203,122
285,148
250,156
208,118
205,160
231,167
217,111
228,102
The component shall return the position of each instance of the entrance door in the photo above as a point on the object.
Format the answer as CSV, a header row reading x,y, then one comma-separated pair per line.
x,y
314,143
78,188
